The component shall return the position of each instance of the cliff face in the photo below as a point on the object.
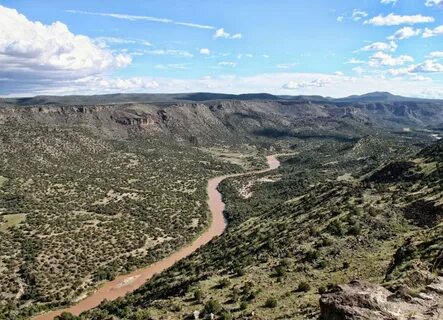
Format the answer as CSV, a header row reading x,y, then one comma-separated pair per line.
x,y
223,121
229,121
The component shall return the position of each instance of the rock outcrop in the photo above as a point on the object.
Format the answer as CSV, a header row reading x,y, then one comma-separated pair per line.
x,y
363,300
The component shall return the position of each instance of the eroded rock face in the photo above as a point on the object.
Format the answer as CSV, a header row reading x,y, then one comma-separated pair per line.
x,y
363,300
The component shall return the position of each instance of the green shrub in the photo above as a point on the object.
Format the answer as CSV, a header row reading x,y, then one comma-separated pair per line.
x,y
322,290
311,255
198,295
213,306
303,287
226,316
271,303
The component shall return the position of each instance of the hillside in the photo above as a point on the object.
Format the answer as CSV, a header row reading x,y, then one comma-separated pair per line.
x,y
91,191
300,235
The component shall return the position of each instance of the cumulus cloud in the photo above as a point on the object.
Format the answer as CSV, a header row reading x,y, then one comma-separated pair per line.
x,y
405,33
428,66
388,1
380,46
432,3
384,59
32,51
428,33
221,33
400,71
205,51
395,20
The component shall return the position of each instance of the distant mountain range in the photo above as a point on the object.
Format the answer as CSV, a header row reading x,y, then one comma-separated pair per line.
x,y
373,97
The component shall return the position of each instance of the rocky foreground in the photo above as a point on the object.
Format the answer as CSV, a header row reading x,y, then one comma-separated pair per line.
x,y
363,300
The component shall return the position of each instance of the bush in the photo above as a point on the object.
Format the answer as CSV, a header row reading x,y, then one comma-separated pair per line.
x,y
271,303
311,255
66,316
223,283
243,305
213,306
303,287
335,228
226,316
355,229
280,271
322,290
198,295
239,271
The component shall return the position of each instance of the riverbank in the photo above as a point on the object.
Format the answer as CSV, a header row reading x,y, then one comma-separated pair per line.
x,y
127,283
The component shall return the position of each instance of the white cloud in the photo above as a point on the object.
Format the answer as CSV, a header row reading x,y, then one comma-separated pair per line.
x,y
358,70
143,18
405,33
388,1
171,66
316,83
121,83
432,3
338,86
36,52
395,20
340,18
105,41
286,65
380,46
244,55
227,64
438,31
358,14
266,56
339,73
416,77
205,51
383,59
400,71
355,61
428,66
436,54
170,52
221,33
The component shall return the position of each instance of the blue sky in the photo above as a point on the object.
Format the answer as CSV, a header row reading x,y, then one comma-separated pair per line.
x,y
333,48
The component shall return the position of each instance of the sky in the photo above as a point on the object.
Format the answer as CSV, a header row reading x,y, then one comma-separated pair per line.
x,y
323,47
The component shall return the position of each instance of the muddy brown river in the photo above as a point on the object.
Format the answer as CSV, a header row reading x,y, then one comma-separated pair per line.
x,y
124,284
